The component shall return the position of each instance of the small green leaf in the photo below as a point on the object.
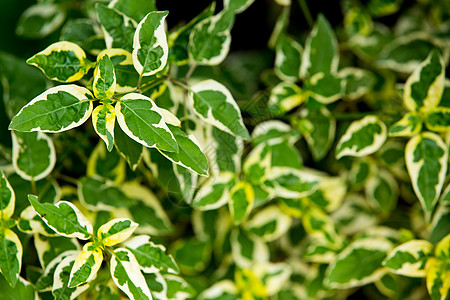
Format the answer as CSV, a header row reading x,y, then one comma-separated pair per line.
x,y
363,137
410,124
241,201
60,287
438,119
382,191
288,58
214,193
40,20
178,288
381,8
10,256
326,88
269,223
63,217
136,9
284,97
22,290
438,278
130,150
104,78
214,104
103,120
58,109
86,265
222,290
7,198
150,49
34,155
116,231
62,61
426,159
237,6
192,255
357,82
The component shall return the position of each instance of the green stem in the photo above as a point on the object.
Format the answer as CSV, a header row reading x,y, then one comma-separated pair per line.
x,y
306,12
189,73
33,186
180,83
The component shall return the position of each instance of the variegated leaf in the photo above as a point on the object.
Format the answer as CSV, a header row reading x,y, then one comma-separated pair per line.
x,y
10,255
214,104
426,159
325,87
40,20
241,201
363,137
103,120
273,129
273,275
237,6
291,183
357,82
60,287
284,97
269,223
214,193
409,258
141,120
248,250
31,223
34,155
150,49
321,227
288,58
151,257
221,290
116,231
126,274
58,109
86,265
63,217
126,76
48,248
178,288
62,61
423,89
7,198
136,9
382,191
442,250
438,119
104,84
45,281
410,124
438,278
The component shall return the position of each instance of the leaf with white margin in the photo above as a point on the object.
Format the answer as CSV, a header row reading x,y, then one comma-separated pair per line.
x,y
227,151
237,6
86,265
209,42
214,193
426,160
273,275
103,120
178,288
408,259
189,155
34,155
47,248
63,217
62,61
150,49
321,227
288,57
7,198
45,281
117,28
224,289
438,119
273,129
151,257
213,103
241,200
58,109
141,120
410,124
116,231
31,223
292,183
347,271
269,223
125,74
438,278
248,250
324,87
108,165
357,82
60,288
104,84
157,285
382,191
362,137
126,274
284,97
321,50
40,20
10,255
424,88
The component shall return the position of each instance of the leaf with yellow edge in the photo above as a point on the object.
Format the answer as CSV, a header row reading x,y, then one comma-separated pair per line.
x,y
438,119
86,265
116,231
104,78
241,201
443,248
7,198
409,125
104,119
10,256
438,278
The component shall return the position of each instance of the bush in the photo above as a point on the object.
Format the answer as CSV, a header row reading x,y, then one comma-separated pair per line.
x,y
315,168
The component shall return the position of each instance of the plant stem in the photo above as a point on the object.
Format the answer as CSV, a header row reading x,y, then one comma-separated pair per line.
x,y
180,83
306,12
189,73
139,82
33,186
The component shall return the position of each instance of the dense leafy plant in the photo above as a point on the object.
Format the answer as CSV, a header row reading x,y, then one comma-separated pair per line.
x,y
326,177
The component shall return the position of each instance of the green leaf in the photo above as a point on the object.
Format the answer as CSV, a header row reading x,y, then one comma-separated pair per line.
x,y
214,104
410,124
424,88
288,57
104,83
270,223
136,9
237,6
48,248
126,76
363,137
126,274
409,258
178,288
103,120
357,82
438,119
140,119
116,231
157,285
321,53
241,201
86,265
63,217
189,155
151,257
273,129
108,165
381,8
60,287
117,27
426,159
34,155
222,290
7,198
214,193
248,249
292,183
318,127
150,49
347,271
62,61
192,255
58,109
10,256
284,97
227,151
40,20
209,42
382,191
438,278
325,87
130,150
30,223
321,227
